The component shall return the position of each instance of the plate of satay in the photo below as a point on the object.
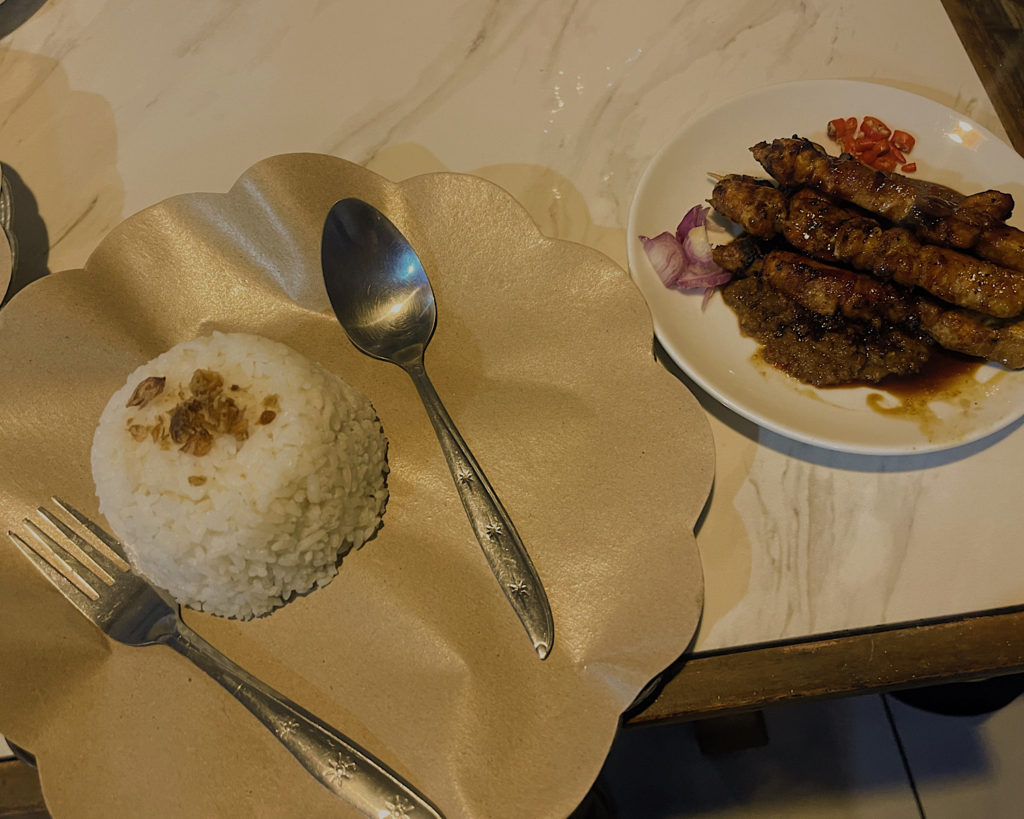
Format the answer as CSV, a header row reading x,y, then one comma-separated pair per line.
x,y
838,262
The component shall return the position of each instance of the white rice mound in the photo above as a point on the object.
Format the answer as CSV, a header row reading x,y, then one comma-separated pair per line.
x,y
237,531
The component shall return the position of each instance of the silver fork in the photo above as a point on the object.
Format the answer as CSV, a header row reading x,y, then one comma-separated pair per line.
x,y
133,612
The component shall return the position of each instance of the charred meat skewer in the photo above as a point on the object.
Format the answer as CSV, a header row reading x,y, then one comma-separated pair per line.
x,y
800,162
935,213
1003,245
814,225
833,233
742,256
829,291
822,349
834,291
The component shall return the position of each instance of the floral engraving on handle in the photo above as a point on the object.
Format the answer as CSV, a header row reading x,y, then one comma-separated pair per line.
x,y
519,588
342,768
287,727
493,530
464,476
399,807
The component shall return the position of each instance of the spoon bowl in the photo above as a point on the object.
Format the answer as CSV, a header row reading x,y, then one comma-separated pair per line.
x,y
377,285
383,299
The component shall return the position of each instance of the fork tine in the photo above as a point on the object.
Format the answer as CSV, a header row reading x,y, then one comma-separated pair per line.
x,y
53,567
109,546
75,544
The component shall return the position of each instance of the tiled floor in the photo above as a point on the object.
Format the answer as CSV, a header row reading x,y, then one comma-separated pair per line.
x,y
966,766
830,760
870,757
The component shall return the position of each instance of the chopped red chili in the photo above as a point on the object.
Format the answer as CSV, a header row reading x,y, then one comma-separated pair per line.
x,y
874,127
839,129
903,141
869,154
873,143
886,163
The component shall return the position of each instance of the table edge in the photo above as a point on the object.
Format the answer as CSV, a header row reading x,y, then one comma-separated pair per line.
x,y
871,660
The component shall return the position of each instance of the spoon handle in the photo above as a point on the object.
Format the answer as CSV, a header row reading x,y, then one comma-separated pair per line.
x,y
493,527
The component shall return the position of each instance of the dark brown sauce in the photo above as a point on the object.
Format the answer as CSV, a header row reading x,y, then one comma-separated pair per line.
x,y
944,374
941,398
947,377
943,377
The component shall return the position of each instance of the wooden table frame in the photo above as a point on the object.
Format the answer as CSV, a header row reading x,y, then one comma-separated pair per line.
x,y
906,655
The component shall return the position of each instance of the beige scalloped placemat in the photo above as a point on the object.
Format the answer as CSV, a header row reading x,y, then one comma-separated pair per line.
x,y
542,355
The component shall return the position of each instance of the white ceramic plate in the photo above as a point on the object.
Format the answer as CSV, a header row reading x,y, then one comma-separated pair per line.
x,y
707,344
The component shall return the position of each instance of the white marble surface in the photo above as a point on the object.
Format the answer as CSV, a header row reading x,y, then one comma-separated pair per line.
x,y
107,107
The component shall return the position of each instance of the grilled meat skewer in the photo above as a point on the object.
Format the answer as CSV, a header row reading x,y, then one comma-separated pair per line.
x,y
972,333
828,291
814,225
833,291
935,213
741,257
1003,245
799,162
820,348
755,204
829,232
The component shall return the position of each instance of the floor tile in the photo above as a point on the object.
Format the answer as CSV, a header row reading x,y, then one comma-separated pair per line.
x,y
965,766
823,760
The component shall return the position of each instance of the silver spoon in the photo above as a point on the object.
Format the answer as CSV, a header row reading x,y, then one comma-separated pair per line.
x,y
381,296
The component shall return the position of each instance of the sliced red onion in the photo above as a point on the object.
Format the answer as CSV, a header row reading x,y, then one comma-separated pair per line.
x,y
665,253
695,217
683,261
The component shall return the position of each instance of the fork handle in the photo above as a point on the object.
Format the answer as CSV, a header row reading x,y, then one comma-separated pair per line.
x,y
342,766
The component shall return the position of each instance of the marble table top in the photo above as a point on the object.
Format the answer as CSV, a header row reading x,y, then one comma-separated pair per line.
x,y
106,108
